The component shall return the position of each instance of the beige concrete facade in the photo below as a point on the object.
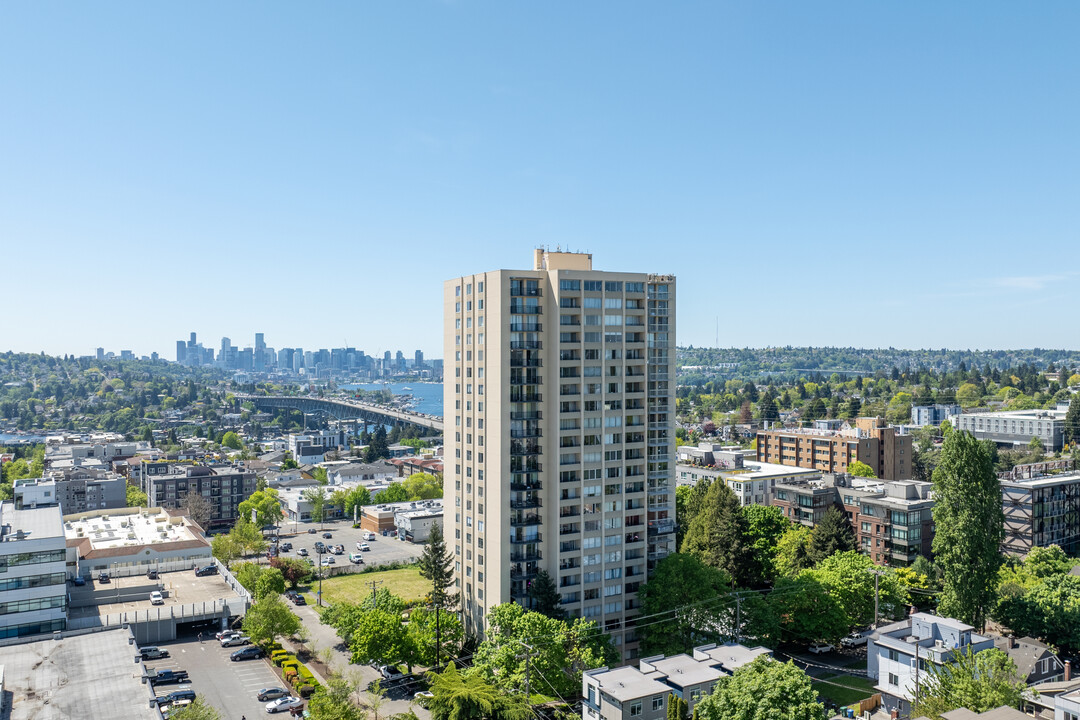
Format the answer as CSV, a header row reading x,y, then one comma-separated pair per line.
x,y
559,409
870,441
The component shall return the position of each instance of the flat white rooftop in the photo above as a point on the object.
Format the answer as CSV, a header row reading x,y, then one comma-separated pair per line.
x,y
124,530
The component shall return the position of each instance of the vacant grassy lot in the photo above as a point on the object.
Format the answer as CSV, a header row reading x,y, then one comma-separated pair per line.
x,y
854,688
406,583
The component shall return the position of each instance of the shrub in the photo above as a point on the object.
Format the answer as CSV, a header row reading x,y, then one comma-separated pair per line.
x,y
305,691
279,656
289,674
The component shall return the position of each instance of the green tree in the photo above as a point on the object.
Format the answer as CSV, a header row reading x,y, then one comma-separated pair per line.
x,y
395,492
763,690
718,534
334,701
969,528
848,577
226,549
247,574
425,638
860,469
380,637
316,497
136,497
294,570
423,486
232,440
806,612
436,565
677,708
1072,417
793,551
471,697
688,502
977,681
289,463
968,395
765,525
545,595
248,536
270,582
198,709
265,504
562,650
268,619
687,596
832,534
1046,562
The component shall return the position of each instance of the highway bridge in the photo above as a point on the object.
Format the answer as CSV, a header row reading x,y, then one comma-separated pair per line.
x,y
345,409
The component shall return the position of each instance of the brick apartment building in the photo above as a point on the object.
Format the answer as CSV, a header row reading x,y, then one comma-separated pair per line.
x,y
224,486
870,441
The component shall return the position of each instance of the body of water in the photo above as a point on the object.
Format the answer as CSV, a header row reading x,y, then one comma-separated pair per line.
x,y
427,396
6,439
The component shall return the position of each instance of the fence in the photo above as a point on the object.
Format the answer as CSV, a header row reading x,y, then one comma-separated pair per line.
x,y
130,570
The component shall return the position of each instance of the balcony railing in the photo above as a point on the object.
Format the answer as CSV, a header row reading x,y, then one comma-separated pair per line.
x,y
525,520
524,540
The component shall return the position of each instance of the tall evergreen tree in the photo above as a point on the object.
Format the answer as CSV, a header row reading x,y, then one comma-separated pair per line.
x,y
831,535
718,535
545,595
969,528
1072,421
437,566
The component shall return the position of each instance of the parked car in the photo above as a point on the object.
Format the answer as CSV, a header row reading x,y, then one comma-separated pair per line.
x,y
328,560
422,697
339,550
295,597
327,535
356,558
320,546
368,535
167,677
151,575
78,580
103,577
286,546
176,696
283,704
222,634
156,598
364,547
312,531
820,648
302,552
272,694
153,653
390,672
235,640
251,652
856,639
208,570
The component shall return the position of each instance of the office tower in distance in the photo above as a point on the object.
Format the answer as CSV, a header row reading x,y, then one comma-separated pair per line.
x,y
559,402
418,359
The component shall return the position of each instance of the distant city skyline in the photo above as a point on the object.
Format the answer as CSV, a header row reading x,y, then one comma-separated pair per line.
x,y
849,174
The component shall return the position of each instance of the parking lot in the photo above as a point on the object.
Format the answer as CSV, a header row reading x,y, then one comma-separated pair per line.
x,y
229,686
384,549
180,588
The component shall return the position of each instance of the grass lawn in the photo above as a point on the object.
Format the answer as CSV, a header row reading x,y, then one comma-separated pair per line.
x,y
406,583
854,688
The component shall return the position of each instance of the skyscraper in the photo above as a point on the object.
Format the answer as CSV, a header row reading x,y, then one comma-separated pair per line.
x,y
559,401
418,360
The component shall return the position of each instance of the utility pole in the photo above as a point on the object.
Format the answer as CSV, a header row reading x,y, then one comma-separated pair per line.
x,y
374,584
528,670
876,575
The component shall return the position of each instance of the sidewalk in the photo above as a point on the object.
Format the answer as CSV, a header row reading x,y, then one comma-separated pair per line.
x,y
322,637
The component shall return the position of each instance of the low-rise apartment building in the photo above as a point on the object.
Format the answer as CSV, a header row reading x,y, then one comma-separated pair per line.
x,y
33,570
1040,511
897,653
223,486
892,521
78,491
869,441
752,482
1017,427
641,693
923,415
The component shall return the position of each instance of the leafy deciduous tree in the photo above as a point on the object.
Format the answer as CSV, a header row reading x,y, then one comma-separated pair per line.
x,y
690,595
763,690
976,681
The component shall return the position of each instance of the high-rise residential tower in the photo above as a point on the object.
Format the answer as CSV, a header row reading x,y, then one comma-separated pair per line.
x,y
559,399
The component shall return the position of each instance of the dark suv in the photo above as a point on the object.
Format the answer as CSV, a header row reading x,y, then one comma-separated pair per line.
x,y
208,570
175,696
249,653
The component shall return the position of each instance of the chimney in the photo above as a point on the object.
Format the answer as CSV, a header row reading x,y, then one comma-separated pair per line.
x,y
1068,670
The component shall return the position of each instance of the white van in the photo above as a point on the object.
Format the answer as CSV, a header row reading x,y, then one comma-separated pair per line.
x,y
368,535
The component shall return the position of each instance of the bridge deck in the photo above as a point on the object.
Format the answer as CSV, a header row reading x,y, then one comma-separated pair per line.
x,y
350,407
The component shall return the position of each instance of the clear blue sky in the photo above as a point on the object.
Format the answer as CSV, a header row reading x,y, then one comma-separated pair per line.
x,y
853,173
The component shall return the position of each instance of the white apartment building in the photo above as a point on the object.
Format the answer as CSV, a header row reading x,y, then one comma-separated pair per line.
x,y
560,407
33,572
